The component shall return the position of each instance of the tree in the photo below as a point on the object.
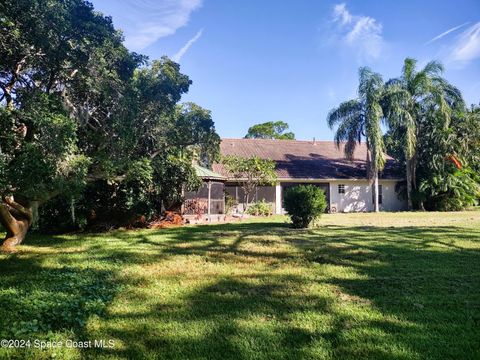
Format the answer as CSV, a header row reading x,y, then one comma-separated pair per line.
x,y
408,101
448,161
78,108
360,118
42,70
250,173
270,130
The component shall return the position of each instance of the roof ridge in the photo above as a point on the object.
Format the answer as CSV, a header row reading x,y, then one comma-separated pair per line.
x,y
309,141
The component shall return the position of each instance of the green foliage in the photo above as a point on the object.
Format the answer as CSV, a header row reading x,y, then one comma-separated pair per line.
x,y
63,299
250,173
261,208
452,190
78,108
304,204
270,130
262,171
171,175
419,106
62,214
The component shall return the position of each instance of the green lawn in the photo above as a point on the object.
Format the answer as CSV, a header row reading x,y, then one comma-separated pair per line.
x,y
388,286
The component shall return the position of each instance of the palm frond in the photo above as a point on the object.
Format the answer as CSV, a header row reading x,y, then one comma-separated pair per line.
x,y
348,109
408,70
350,132
433,68
371,84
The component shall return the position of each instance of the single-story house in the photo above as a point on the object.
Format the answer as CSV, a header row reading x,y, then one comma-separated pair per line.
x,y
320,163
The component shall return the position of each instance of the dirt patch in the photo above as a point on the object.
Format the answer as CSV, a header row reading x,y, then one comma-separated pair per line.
x,y
169,219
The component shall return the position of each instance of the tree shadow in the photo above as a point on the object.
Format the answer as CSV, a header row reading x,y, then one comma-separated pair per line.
x,y
334,292
37,300
418,275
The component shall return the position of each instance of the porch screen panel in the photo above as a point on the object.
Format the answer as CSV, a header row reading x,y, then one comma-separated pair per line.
x,y
196,202
217,203
265,193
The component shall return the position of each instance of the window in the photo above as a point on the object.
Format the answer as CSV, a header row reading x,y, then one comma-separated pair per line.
x,y
341,188
380,195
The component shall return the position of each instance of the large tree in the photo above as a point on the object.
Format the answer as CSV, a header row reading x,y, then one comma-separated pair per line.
x,y
77,107
359,119
409,100
270,130
448,177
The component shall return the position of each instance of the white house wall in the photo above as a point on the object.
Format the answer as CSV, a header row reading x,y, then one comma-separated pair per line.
x,y
358,196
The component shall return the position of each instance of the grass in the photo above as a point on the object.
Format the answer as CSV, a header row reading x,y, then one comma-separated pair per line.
x,y
388,286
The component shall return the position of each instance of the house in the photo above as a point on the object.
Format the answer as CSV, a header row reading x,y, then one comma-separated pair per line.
x,y
320,163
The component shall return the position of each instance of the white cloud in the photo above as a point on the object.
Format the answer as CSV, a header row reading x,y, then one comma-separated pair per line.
x,y
445,33
359,32
340,13
145,21
178,56
467,46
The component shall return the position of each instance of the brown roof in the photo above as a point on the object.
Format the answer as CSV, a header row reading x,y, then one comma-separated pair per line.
x,y
305,159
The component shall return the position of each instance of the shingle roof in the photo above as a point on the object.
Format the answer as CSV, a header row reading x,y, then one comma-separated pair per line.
x,y
306,159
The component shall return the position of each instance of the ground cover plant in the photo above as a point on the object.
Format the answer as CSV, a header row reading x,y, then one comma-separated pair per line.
x,y
376,286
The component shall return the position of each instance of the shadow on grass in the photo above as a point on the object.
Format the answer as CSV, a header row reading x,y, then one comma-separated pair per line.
x,y
362,292
38,300
413,288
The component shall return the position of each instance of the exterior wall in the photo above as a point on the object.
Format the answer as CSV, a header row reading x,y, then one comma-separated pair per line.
x,y
358,196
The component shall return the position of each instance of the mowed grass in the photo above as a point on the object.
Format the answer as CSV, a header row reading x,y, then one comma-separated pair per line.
x,y
360,286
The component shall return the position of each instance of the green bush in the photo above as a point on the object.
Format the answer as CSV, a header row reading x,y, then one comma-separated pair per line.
x,y
261,208
304,204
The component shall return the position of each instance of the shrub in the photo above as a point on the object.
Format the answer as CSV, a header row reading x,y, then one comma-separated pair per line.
x,y
261,208
304,204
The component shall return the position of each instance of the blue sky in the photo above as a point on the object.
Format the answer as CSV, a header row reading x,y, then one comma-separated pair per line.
x,y
255,61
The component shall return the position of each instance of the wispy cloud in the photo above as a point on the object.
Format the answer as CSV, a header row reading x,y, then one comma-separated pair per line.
x,y
467,45
178,56
359,32
341,14
445,33
146,21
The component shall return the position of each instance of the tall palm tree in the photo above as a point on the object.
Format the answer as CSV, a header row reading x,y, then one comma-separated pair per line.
x,y
360,118
408,99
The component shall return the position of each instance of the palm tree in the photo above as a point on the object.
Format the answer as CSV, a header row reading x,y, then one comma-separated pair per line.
x,y
360,118
408,99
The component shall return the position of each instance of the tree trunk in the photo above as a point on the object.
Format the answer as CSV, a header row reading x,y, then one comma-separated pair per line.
x,y
16,219
409,184
421,207
375,192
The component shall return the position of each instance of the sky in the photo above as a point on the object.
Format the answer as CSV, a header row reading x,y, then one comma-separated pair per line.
x,y
255,61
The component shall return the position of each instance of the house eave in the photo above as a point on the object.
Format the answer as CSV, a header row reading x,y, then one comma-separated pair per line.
x,y
319,180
